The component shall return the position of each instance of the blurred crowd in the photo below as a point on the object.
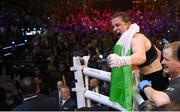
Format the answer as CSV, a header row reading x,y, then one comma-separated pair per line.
x,y
69,30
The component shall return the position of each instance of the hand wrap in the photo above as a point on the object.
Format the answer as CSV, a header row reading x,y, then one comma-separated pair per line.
x,y
115,60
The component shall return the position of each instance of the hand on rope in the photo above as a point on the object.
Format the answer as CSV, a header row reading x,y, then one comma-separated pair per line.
x,y
115,60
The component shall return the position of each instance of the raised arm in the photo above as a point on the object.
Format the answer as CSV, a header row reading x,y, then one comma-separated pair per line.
x,y
139,49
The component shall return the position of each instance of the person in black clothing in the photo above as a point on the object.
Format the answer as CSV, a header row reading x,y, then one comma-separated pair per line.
x,y
57,93
171,66
67,102
33,101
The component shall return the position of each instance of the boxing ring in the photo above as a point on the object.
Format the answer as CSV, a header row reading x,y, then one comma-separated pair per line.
x,y
82,74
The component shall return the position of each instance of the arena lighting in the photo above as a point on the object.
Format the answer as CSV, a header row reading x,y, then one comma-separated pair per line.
x,y
7,54
13,42
101,56
33,31
21,44
16,45
30,33
8,47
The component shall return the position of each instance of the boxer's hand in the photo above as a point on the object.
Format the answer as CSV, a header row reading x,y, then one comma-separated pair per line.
x,y
115,60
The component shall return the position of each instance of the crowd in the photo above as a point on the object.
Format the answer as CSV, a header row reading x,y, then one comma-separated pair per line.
x,y
76,31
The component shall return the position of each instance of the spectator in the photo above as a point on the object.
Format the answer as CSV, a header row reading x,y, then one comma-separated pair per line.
x,y
94,85
53,75
97,86
41,82
67,103
171,66
11,100
33,101
57,93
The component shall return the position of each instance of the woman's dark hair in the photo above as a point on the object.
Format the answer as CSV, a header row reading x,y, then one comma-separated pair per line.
x,y
125,16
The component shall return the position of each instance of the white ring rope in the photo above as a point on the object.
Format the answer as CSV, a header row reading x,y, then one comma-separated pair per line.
x,y
82,91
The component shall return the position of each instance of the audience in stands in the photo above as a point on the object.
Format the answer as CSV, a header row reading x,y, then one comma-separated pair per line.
x,y
69,30
33,101
57,93
67,103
